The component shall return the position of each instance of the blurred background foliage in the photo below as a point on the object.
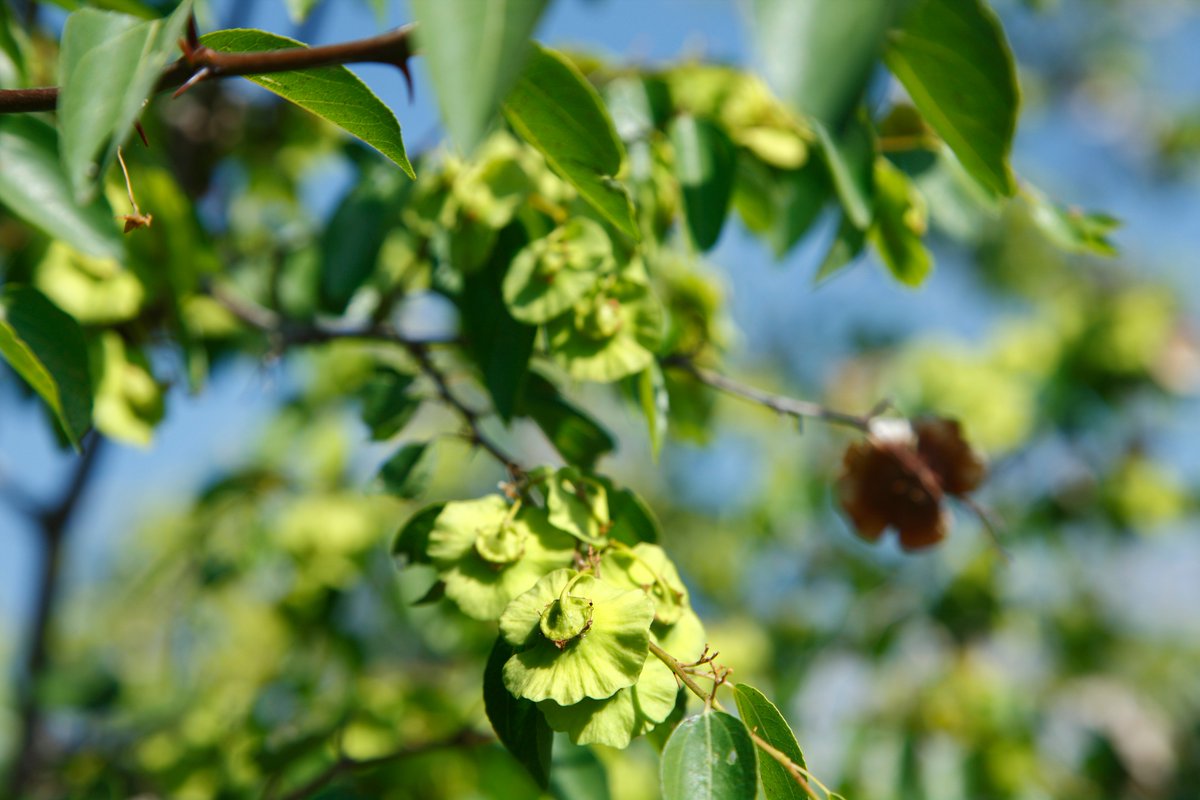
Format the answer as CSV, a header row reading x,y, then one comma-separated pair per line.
x,y
237,630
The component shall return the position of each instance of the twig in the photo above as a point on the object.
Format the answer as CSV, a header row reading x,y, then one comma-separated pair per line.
x,y
53,523
394,47
710,701
799,409
345,764
288,333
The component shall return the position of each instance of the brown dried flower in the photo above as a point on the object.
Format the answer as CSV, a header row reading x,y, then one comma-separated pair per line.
x,y
898,476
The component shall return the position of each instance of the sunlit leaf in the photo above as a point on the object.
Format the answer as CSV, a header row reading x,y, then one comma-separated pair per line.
x,y
108,65
474,52
1071,228
554,108
45,346
763,718
900,222
34,186
953,58
709,757
333,93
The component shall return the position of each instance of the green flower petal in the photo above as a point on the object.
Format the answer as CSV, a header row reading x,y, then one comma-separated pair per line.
x,y
577,505
647,567
485,567
621,718
605,658
551,274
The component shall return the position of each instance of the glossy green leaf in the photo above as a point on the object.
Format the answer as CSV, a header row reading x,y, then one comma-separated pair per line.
x,y
108,65
45,346
407,472
705,163
554,108
819,54
762,717
656,405
34,186
847,245
709,757
900,221
333,93
1071,228
386,404
412,540
850,159
500,344
518,723
474,52
577,437
953,58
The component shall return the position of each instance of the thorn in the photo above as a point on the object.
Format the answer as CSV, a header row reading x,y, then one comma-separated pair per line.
x,y
408,79
200,75
141,132
193,34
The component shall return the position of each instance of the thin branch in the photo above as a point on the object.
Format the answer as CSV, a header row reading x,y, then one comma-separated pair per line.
x,y
53,524
287,333
345,764
800,409
199,63
797,772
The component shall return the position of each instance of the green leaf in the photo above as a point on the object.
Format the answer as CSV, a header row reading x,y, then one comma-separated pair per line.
x,y
45,346
656,405
333,93
577,437
299,10
474,52
108,65
952,57
633,520
407,472
819,54
577,774
412,540
709,757
900,222
554,108
500,345
352,239
801,195
128,402
850,159
705,164
34,186
386,405
1071,228
763,718
518,723
555,271
847,244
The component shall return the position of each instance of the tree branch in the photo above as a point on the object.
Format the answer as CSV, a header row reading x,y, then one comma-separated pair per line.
x,y
287,333
345,764
53,523
200,63
800,409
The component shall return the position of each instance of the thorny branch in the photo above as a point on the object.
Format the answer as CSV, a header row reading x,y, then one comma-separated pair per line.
x,y
201,63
